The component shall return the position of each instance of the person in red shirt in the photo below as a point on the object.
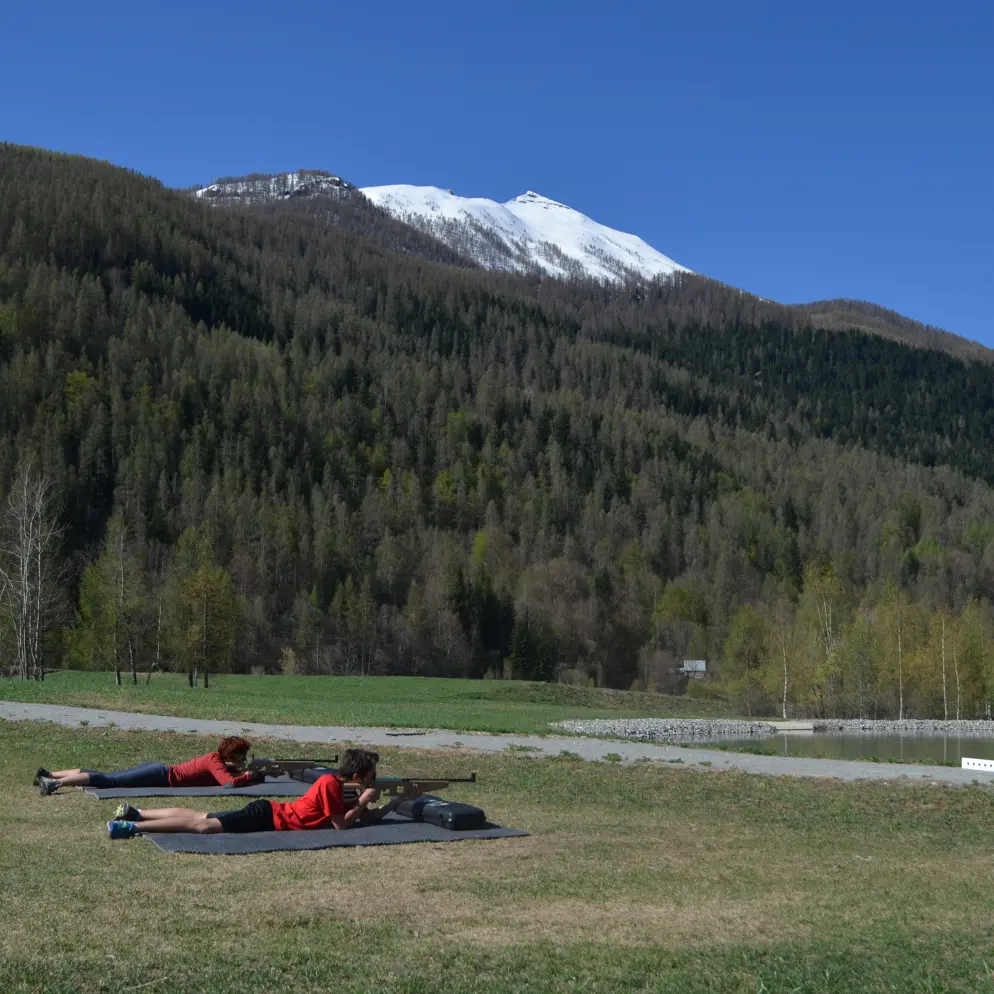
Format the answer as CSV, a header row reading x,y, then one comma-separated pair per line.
x,y
325,805
224,766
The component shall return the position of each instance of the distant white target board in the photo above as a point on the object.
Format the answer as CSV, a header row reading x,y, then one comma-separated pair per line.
x,y
978,764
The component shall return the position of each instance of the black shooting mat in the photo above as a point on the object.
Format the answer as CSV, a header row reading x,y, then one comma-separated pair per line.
x,y
279,787
392,831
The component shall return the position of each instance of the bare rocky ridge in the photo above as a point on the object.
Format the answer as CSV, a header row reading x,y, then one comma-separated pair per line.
x,y
329,200
259,188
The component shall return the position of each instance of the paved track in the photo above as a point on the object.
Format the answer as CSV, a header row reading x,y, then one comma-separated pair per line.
x,y
588,748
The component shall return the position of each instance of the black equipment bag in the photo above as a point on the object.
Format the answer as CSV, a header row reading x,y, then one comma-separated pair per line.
x,y
446,814
312,774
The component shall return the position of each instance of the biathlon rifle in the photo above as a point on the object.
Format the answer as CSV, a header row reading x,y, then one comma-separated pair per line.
x,y
394,786
286,767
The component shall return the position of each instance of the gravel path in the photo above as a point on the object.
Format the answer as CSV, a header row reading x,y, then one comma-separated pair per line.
x,y
587,748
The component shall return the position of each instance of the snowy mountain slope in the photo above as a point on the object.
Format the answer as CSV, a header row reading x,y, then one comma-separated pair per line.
x,y
259,188
527,233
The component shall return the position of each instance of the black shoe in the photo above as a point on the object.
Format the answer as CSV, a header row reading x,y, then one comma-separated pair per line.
x,y
46,786
42,772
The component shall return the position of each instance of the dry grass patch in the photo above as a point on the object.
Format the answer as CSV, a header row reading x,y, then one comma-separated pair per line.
x,y
662,925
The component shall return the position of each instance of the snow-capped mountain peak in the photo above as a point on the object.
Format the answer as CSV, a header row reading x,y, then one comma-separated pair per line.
x,y
530,232
536,199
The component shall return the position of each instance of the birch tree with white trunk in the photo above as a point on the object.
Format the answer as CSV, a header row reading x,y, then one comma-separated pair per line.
x,y
30,569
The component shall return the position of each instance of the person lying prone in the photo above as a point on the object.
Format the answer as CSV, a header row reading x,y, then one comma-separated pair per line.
x,y
225,766
327,804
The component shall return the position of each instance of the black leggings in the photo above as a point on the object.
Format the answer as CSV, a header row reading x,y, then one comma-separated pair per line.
x,y
143,775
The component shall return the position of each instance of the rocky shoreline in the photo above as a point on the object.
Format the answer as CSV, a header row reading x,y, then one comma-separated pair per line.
x,y
668,729
719,729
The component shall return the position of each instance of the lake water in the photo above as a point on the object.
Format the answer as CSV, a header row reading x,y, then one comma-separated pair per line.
x,y
903,748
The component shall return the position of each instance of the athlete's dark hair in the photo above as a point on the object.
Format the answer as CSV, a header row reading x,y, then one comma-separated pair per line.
x,y
357,763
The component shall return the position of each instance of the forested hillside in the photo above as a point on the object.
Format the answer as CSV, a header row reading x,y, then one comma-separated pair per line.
x,y
320,194
858,314
279,444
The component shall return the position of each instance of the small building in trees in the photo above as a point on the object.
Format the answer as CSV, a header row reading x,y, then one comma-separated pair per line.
x,y
693,669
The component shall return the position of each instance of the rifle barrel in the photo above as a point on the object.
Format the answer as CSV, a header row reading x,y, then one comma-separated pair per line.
x,y
306,759
386,781
267,763
326,759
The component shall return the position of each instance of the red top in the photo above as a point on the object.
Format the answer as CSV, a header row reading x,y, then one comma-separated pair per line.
x,y
206,771
314,809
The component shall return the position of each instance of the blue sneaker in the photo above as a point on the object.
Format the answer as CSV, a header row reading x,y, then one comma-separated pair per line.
x,y
122,829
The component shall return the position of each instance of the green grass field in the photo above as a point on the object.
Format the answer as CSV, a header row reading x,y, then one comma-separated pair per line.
x,y
465,705
648,878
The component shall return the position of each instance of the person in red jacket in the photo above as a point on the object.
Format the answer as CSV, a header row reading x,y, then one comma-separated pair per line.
x,y
224,766
325,805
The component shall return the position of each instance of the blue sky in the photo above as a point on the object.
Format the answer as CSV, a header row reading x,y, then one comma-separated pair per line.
x,y
798,151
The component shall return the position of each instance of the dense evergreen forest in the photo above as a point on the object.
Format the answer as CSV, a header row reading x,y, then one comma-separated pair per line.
x,y
264,441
